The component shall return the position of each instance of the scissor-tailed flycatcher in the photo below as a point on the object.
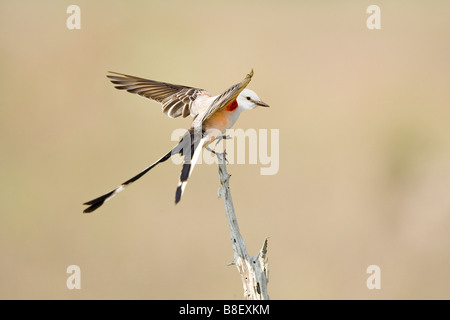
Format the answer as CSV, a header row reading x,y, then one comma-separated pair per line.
x,y
212,116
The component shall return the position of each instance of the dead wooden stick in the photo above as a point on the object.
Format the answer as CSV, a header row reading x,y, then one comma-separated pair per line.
x,y
254,271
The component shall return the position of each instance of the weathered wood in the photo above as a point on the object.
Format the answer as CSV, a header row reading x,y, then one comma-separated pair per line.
x,y
254,271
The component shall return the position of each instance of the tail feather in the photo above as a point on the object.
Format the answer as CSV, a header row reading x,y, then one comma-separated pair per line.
x,y
190,147
188,166
98,202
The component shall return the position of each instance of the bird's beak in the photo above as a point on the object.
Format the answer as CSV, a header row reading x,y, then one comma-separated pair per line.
x,y
261,104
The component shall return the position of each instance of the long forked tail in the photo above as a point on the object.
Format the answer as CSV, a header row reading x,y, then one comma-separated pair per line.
x,y
98,202
190,159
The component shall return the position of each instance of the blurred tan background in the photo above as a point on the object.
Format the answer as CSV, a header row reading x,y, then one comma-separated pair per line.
x,y
364,149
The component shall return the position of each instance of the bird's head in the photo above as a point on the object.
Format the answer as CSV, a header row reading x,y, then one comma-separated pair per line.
x,y
248,100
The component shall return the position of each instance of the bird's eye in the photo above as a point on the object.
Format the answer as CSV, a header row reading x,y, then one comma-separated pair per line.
x,y
248,98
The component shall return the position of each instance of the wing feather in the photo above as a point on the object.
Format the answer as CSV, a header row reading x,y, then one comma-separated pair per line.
x,y
176,100
223,100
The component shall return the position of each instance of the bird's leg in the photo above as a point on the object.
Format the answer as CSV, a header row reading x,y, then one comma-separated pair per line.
x,y
221,138
219,155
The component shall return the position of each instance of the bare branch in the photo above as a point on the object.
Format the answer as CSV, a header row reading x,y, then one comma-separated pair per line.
x,y
254,271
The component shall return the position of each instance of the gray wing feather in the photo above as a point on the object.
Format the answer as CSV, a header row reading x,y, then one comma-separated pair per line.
x,y
176,100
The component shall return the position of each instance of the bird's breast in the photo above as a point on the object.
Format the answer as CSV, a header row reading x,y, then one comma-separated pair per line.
x,y
222,120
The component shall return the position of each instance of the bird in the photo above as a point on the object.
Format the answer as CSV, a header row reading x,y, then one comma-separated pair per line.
x,y
212,116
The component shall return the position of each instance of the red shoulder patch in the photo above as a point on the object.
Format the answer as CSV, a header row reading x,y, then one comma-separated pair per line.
x,y
232,105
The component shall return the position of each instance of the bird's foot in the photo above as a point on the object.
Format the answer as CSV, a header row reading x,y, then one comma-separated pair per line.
x,y
219,155
222,138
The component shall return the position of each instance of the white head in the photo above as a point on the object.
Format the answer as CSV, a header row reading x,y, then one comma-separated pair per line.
x,y
248,100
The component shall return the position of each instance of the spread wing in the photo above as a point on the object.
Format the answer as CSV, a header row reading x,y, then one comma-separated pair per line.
x,y
176,100
223,99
